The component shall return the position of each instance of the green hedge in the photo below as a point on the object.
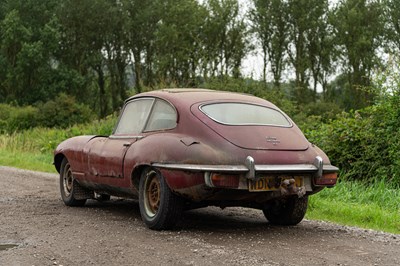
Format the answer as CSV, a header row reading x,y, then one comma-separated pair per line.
x,y
62,112
364,144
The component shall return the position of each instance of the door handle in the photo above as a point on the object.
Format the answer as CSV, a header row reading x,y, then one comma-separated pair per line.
x,y
127,144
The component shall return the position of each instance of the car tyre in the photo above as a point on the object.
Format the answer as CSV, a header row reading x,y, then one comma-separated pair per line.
x,y
160,208
289,211
71,191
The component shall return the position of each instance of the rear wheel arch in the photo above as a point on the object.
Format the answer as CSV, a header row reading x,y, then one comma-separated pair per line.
x,y
160,208
137,172
136,175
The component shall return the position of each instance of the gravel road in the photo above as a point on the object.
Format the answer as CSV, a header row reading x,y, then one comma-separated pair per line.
x,y
43,231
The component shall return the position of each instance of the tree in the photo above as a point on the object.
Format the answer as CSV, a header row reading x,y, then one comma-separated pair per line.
x,y
81,47
299,15
270,23
393,26
225,39
320,45
359,27
117,52
143,19
306,23
94,45
29,37
178,42
13,36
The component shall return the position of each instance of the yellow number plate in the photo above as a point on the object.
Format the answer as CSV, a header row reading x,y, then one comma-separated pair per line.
x,y
272,183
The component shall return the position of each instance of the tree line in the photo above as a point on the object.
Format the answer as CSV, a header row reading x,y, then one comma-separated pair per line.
x,y
99,50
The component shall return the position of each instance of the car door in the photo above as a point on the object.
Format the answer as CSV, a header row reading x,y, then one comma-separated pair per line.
x,y
106,155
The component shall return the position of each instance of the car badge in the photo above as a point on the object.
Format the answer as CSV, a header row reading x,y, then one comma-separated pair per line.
x,y
273,140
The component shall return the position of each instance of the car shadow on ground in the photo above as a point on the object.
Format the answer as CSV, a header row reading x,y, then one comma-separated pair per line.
x,y
119,207
209,219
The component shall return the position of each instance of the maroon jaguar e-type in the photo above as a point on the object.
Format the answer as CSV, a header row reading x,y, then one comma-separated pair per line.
x,y
179,149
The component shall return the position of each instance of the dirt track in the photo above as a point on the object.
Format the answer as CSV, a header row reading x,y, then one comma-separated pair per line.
x,y
46,232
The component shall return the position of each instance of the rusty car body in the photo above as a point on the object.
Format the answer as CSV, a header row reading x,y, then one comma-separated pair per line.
x,y
178,149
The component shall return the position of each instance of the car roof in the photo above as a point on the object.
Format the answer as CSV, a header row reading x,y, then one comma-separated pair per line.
x,y
190,96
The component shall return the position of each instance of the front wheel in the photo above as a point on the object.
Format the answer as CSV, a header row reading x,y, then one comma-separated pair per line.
x,y
289,211
159,207
69,188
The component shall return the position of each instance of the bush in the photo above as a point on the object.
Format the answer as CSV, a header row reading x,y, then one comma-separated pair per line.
x,y
17,118
365,144
311,116
63,112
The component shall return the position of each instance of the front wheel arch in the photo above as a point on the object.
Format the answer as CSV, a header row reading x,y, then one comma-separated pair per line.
x,y
72,193
58,158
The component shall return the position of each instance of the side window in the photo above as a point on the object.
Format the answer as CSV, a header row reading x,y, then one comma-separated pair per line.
x,y
133,117
162,117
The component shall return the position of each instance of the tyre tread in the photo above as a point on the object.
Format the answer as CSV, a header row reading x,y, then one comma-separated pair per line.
x,y
289,212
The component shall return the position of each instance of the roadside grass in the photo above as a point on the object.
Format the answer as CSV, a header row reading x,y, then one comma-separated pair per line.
x,y
370,206
45,140
42,162
33,149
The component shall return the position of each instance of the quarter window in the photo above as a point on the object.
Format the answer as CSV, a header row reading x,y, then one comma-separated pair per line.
x,y
134,117
162,117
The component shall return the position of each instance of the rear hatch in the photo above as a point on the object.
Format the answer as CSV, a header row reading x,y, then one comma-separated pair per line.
x,y
251,126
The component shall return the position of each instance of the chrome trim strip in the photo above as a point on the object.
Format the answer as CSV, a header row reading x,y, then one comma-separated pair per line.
x,y
268,168
203,167
330,168
80,174
125,137
286,168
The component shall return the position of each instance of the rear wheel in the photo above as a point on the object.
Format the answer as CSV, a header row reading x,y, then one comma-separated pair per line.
x,y
289,211
71,191
159,207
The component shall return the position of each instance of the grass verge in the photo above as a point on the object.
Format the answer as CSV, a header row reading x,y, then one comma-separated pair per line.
x,y
370,206
27,160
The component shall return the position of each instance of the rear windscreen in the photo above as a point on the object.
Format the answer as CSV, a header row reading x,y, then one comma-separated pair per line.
x,y
244,114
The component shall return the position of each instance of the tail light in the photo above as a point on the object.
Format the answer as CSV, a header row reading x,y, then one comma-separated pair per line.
x,y
222,180
328,179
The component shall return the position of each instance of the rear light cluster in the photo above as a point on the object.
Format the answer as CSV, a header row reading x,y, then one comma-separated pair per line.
x,y
222,180
328,179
